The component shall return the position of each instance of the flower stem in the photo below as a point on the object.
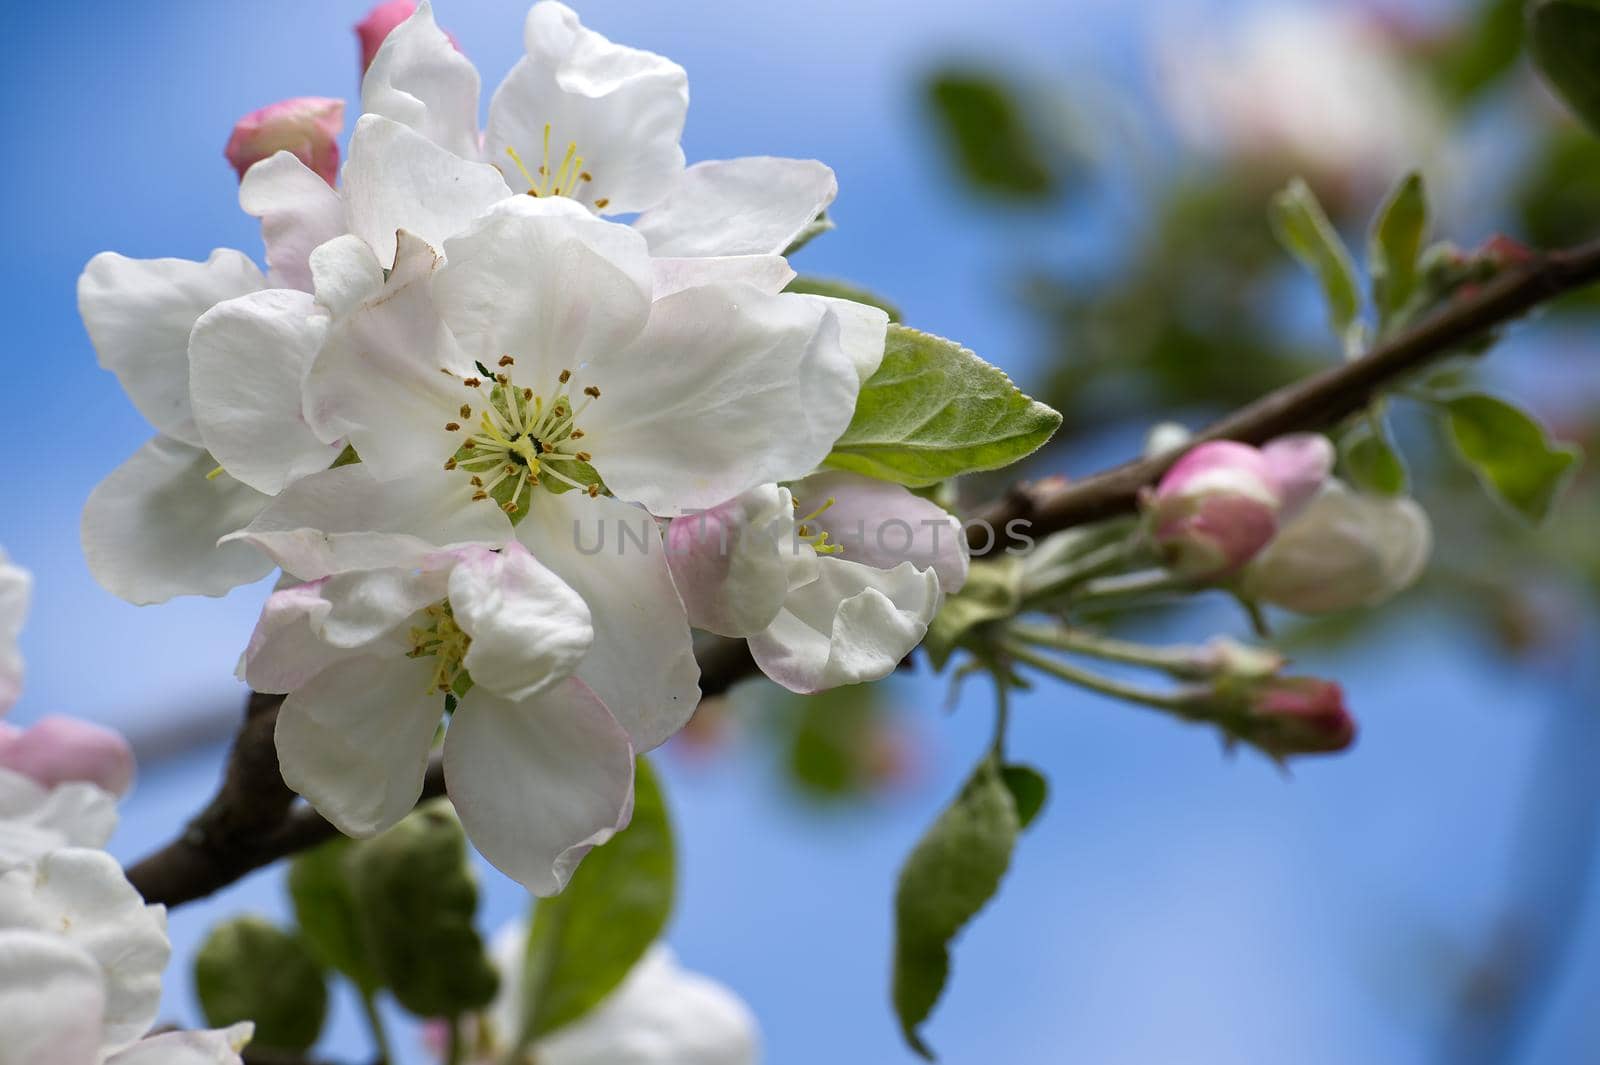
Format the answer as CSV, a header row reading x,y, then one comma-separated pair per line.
x,y
1181,660
1175,702
380,1036
1139,583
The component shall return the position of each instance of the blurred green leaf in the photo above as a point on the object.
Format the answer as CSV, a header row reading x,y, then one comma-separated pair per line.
x,y
951,874
1029,790
584,941
325,909
831,754
1487,47
933,410
416,898
844,290
1511,453
1395,247
985,130
993,590
1558,197
1564,36
248,969
1303,229
1371,461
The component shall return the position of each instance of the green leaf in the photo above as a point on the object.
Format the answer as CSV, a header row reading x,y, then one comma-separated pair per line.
x,y
1370,459
934,410
987,138
832,754
1029,790
843,290
993,590
416,898
1564,36
1304,230
325,909
813,229
248,969
1511,453
951,874
584,941
1396,245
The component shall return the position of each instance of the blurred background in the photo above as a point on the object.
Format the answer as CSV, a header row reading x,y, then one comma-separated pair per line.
x,y
1075,189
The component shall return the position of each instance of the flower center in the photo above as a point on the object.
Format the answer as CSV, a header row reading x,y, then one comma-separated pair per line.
x,y
816,537
518,439
443,639
565,178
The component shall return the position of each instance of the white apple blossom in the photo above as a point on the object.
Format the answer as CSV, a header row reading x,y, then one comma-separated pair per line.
x,y
661,1014
1345,549
833,580
537,766
81,955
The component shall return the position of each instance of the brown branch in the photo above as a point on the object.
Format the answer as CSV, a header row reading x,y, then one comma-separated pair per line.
x,y
254,821
1316,402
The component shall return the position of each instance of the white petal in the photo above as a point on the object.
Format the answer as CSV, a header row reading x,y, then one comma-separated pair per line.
x,y
548,288
83,896
398,179
247,357
853,623
727,388
298,211
769,273
418,78
620,108
882,524
731,564
305,628
862,331
378,382
751,206
662,1014
529,629
538,782
354,740
150,530
345,274
642,664
16,589
35,819
214,1047
52,997
139,313
342,520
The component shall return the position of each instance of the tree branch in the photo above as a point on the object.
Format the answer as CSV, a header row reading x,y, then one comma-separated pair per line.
x,y
1313,403
254,819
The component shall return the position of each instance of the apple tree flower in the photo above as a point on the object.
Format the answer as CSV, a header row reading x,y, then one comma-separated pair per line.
x,y
57,749
1223,501
1345,549
661,1014
833,580
306,126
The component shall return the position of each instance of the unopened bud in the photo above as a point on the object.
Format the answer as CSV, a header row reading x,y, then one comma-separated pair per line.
x,y
307,126
1282,716
57,750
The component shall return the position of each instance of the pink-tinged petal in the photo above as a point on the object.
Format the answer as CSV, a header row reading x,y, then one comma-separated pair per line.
x,y
1298,715
1298,465
420,79
540,782
1214,509
381,21
306,126
354,740
732,563
882,525
61,749
298,212
529,629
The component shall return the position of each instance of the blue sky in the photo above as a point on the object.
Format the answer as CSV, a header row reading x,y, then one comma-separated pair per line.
x,y
1174,904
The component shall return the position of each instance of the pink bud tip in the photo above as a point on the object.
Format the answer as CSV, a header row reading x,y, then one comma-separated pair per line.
x,y
1301,715
62,749
308,126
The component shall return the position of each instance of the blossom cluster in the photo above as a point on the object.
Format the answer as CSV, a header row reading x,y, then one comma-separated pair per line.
x,y
472,352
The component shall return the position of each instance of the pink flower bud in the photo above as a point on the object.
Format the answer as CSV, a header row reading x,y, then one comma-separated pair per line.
x,y
62,749
1297,715
380,22
308,126
1222,502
